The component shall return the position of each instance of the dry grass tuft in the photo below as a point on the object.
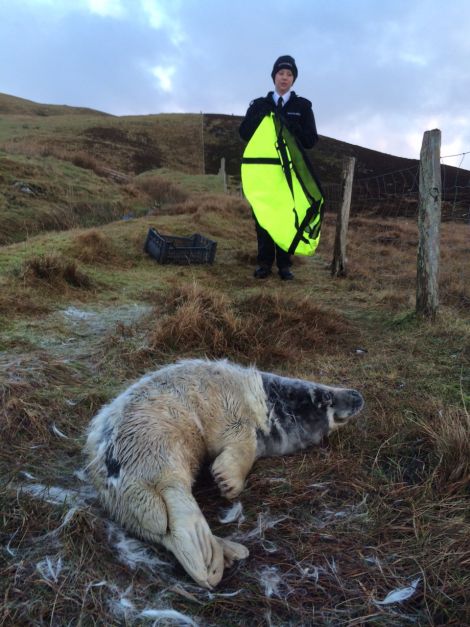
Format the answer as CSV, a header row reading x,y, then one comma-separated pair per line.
x,y
203,204
189,206
54,271
262,328
161,190
27,383
292,321
198,320
93,247
84,160
22,301
449,435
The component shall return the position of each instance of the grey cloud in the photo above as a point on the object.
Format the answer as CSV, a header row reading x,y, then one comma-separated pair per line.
x,y
399,62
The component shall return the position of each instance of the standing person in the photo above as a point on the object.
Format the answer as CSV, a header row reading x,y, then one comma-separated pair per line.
x,y
297,115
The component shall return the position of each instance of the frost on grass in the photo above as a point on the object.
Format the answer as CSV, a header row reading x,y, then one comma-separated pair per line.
x,y
96,322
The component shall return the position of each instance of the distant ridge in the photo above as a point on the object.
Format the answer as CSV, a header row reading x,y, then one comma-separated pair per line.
x,y
132,144
12,105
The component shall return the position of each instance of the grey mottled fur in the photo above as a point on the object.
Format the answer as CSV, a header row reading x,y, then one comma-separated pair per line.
x,y
301,413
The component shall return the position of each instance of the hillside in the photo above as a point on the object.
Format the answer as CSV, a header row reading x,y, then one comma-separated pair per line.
x,y
132,144
62,166
186,142
369,527
12,105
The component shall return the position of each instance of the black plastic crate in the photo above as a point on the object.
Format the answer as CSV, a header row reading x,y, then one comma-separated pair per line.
x,y
180,250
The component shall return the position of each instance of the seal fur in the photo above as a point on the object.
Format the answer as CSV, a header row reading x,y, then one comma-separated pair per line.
x,y
146,447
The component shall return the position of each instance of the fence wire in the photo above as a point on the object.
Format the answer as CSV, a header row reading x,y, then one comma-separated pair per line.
x,y
396,194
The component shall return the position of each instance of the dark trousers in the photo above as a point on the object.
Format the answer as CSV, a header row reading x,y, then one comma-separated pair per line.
x,y
268,251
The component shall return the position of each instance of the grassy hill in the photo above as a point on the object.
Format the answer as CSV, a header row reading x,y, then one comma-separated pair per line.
x,y
108,152
13,105
380,506
132,144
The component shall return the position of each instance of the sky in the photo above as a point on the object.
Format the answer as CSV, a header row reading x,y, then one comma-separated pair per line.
x,y
379,73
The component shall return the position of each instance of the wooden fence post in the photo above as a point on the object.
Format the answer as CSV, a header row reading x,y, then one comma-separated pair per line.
x,y
429,222
222,173
338,265
203,146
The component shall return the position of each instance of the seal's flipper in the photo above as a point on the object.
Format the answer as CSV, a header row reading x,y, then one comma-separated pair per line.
x,y
233,551
190,539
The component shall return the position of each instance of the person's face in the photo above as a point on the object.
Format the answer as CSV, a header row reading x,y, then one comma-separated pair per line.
x,y
283,81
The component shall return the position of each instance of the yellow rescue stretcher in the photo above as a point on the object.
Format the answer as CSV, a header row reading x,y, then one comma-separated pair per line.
x,y
281,188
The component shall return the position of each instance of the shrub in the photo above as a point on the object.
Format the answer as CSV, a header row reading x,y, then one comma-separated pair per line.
x,y
160,189
54,271
264,329
88,162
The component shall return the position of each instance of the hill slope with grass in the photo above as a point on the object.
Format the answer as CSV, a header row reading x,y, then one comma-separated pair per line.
x,y
63,166
380,508
132,144
20,106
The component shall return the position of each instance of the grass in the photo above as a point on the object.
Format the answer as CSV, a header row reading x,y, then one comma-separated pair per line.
x,y
126,144
84,311
331,531
46,193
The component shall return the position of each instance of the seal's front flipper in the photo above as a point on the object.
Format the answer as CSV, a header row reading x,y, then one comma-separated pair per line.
x,y
231,467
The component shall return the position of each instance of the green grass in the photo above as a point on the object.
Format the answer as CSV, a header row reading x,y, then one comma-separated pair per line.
x,y
388,508
84,311
192,183
45,193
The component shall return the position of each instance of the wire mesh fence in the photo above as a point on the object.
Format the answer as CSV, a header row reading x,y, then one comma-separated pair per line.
x,y
396,194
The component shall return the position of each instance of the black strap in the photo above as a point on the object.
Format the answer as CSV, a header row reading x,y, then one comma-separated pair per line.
x,y
310,213
302,172
281,148
263,160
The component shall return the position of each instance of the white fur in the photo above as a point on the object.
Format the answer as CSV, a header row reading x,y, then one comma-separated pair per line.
x,y
145,448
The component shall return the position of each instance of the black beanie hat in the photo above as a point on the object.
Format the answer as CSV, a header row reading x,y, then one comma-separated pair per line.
x,y
285,63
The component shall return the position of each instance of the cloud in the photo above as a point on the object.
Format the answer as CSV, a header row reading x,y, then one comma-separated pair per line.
x,y
164,77
376,73
106,8
164,18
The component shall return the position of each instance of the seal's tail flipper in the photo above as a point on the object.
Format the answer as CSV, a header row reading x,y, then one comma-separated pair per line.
x,y
233,551
190,539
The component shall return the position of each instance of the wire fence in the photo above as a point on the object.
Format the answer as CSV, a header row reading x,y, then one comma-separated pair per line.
x,y
396,194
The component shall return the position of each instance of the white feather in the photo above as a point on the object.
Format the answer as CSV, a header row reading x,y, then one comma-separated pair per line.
x,y
50,568
400,594
232,514
181,619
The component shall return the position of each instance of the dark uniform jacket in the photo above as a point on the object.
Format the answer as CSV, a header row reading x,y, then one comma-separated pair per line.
x,y
297,115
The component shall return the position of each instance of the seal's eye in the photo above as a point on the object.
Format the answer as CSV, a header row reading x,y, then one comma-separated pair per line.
x,y
327,398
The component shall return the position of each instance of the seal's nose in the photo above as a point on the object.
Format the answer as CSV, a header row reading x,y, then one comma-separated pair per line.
x,y
358,400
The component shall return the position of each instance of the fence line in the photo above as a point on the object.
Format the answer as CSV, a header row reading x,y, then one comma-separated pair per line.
x,y
395,194
459,154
